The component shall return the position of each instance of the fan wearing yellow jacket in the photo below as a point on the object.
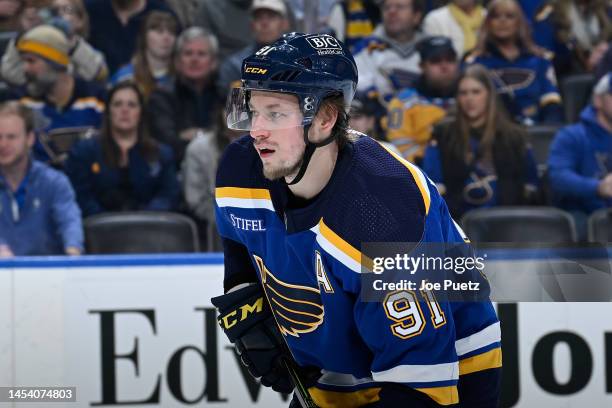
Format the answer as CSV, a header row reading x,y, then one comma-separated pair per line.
x,y
412,114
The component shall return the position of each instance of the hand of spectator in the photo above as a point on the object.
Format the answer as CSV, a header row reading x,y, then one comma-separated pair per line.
x,y
5,252
604,189
72,251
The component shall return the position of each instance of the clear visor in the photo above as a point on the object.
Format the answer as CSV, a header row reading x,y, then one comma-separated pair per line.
x,y
249,109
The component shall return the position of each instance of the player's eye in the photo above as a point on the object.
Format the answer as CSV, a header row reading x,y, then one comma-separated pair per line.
x,y
276,115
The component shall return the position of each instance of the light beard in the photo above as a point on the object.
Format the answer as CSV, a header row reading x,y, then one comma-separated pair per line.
x,y
277,173
42,85
37,89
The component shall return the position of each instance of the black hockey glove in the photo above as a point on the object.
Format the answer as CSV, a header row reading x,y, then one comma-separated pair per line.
x,y
246,319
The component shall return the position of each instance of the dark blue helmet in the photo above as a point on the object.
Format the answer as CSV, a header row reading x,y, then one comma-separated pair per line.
x,y
309,66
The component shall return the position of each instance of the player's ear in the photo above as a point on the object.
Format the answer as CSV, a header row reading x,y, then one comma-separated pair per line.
x,y
326,117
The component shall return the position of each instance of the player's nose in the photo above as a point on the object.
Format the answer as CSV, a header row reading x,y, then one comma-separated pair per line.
x,y
259,134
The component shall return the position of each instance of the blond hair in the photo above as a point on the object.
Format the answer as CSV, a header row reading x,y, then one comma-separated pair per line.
x,y
17,109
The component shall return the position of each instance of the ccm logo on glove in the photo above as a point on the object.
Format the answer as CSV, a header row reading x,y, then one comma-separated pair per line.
x,y
240,314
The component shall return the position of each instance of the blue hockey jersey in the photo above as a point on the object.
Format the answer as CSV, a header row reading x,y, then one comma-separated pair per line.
x,y
527,84
308,260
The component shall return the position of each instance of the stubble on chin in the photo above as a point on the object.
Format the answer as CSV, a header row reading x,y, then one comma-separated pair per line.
x,y
277,173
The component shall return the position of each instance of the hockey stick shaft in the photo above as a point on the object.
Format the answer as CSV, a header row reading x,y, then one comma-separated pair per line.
x,y
301,392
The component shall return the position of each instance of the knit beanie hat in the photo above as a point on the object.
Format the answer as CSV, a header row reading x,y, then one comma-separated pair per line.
x,y
48,42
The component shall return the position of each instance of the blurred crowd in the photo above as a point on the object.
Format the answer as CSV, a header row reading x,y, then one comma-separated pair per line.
x,y
118,105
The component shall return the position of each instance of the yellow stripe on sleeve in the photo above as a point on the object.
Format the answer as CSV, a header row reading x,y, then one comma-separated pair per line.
x,y
336,399
480,362
344,246
238,192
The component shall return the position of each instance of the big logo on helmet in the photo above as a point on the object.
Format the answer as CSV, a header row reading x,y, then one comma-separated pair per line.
x,y
319,42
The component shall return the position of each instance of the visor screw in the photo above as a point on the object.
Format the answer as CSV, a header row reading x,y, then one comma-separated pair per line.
x,y
308,103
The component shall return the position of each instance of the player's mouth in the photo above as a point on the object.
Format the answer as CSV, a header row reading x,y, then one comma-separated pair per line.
x,y
265,152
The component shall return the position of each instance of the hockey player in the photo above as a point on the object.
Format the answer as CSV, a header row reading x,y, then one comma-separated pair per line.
x,y
295,201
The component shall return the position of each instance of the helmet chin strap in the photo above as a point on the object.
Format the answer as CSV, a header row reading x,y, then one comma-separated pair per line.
x,y
310,149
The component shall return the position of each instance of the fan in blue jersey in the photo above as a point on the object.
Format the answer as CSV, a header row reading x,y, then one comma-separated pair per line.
x,y
295,201
522,71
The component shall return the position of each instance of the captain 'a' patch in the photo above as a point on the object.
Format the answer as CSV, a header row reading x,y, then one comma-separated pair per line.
x,y
297,308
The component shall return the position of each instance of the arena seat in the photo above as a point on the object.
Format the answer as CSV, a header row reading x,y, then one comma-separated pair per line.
x,y
576,91
140,232
519,225
58,142
600,226
540,137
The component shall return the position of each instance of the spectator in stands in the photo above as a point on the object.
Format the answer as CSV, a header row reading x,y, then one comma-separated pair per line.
x,y
124,168
522,71
71,17
354,20
580,159
30,16
10,21
116,25
152,64
10,13
61,102
38,211
268,22
480,159
388,60
89,63
460,20
412,114
218,16
576,31
198,171
363,115
363,119
74,12
191,104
